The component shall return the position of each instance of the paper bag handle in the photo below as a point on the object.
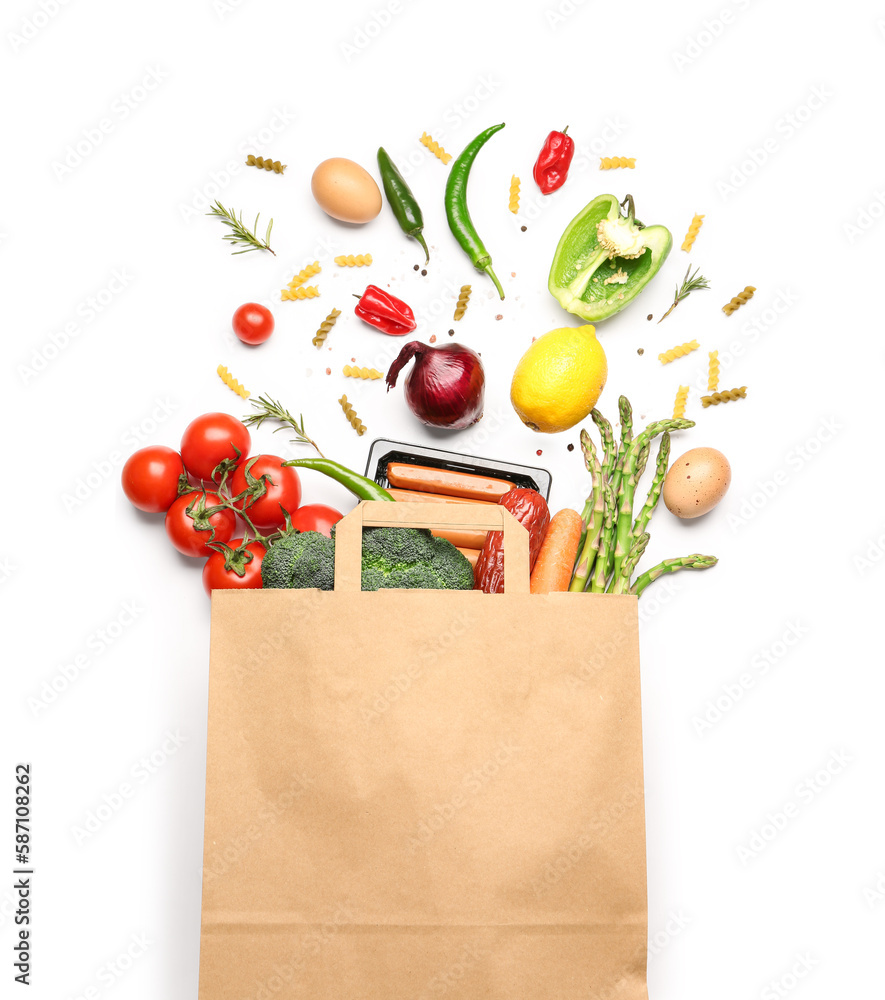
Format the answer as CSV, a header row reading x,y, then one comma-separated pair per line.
x,y
405,514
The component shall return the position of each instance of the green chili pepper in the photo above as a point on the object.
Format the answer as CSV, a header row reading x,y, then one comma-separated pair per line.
x,y
456,206
605,259
360,486
406,210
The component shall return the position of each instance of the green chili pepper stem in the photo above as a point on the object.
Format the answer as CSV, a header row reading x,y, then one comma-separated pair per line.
x,y
417,235
488,270
360,486
402,202
457,212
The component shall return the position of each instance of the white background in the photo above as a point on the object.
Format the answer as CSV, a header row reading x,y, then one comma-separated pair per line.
x,y
691,90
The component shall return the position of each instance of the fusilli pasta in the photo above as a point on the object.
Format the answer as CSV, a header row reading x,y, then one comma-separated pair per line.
x,y
259,161
679,404
725,396
354,372
739,300
350,413
301,292
678,352
305,273
692,233
463,299
231,382
514,194
325,327
614,162
348,260
713,372
435,148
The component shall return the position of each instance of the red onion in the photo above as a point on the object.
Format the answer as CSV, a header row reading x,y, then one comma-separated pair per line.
x,y
446,386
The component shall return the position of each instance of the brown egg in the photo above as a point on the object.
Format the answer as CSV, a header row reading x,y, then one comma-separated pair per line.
x,y
344,190
696,482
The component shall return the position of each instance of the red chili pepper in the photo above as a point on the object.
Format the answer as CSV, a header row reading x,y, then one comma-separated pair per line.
x,y
553,162
385,312
531,510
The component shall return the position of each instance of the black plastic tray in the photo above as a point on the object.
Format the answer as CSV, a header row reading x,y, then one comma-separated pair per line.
x,y
383,451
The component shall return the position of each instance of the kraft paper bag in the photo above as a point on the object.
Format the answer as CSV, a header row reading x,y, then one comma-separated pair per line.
x,y
417,794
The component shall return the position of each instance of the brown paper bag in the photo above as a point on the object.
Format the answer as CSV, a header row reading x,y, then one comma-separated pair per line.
x,y
417,794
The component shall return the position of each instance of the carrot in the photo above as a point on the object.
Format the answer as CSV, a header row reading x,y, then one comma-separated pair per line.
x,y
553,567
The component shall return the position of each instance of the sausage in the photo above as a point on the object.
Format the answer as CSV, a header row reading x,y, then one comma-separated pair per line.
x,y
462,538
471,554
457,484
420,497
468,538
531,510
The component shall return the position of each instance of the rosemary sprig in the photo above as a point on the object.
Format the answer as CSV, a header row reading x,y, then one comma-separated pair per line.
x,y
240,233
269,409
689,284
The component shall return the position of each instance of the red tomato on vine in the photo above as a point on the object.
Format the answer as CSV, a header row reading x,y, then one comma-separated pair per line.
x,y
150,478
189,527
211,439
316,517
281,490
234,567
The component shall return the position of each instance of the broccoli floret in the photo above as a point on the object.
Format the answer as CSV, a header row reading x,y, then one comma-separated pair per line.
x,y
405,558
300,559
412,559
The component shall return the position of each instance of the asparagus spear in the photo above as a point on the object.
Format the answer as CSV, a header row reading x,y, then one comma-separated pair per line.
x,y
624,527
642,461
626,414
694,561
654,493
610,452
593,518
612,501
600,567
613,543
597,477
621,584
627,490
625,410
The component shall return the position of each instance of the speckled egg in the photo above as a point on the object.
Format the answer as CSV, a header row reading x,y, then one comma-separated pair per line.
x,y
344,190
696,482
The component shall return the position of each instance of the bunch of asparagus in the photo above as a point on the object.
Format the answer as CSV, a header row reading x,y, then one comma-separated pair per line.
x,y
613,542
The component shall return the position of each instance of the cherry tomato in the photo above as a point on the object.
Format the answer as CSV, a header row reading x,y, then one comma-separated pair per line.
x,y
253,323
266,512
211,439
217,575
316,517
185,536
150,478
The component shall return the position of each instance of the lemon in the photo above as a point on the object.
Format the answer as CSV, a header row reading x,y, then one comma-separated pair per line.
x,y
559,379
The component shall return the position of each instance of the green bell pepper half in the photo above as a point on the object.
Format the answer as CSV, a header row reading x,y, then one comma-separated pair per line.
x,y
604,259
